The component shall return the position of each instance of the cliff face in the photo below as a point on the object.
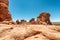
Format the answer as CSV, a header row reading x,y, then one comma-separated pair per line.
x,y
4,12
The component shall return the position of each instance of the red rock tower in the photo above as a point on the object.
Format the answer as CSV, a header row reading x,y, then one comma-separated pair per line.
x,y
4,12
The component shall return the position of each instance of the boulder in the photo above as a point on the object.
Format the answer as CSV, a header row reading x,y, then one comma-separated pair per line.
x,y
32,21
23,21
17,22
44,18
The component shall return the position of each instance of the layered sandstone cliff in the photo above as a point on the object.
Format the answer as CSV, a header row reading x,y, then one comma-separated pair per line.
x,y
4,12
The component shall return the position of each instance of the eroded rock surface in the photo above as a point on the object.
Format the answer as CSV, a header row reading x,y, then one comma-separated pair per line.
x,y
32,21
4,12
44,18
29,32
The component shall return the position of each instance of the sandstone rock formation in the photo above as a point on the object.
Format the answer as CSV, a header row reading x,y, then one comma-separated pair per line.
x,y
23,21
17,22
32,21
44,18
4,12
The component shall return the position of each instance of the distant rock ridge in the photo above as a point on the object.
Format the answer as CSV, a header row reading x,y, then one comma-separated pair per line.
x,y
42,18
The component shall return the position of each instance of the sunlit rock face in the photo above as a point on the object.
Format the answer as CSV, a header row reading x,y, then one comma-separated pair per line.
x,y
4,12
44,18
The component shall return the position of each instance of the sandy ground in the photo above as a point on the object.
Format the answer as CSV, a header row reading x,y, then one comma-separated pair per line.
x,y
29,32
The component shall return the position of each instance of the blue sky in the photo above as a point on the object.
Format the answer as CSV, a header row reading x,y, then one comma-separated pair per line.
x,y
27,9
